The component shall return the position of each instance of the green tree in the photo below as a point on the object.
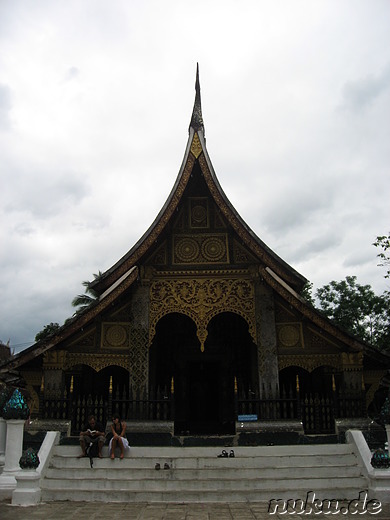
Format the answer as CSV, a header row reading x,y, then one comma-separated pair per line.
x,y
307,293
384,243
47,331
357,309
90,296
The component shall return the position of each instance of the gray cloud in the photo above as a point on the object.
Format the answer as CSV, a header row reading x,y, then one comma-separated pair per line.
x,y
71,74
5,107
314,247
44,194
360,94
95,105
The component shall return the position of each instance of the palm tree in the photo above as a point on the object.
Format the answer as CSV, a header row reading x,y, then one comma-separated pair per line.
x,y
85,300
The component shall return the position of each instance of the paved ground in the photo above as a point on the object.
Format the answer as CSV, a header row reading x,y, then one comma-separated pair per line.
x,y
130,511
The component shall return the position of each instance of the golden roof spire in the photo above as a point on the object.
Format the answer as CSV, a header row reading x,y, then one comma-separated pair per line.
x,y
197,119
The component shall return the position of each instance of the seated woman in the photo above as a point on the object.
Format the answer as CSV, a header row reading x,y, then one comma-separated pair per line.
x,y
118,429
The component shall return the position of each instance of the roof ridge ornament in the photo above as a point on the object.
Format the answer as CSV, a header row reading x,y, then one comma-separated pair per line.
x,y
197,119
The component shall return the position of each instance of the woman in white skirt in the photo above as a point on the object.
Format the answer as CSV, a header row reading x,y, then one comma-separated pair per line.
x,y
118,429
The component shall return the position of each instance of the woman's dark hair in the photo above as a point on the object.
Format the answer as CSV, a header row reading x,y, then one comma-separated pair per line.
x,y
116,416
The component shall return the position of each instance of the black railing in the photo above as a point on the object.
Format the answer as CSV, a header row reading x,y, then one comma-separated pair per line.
x,y
269,409
56,405
316,412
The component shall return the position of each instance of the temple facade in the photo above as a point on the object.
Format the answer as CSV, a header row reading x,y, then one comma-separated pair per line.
x,y
201,328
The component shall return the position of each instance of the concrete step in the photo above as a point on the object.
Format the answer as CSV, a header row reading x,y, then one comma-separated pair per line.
x,y
220,496
238,462
243,451
116,472
198,474
169,483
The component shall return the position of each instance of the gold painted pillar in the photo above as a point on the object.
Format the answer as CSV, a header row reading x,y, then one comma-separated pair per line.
x,y
266,342
53,373
352,366
139,341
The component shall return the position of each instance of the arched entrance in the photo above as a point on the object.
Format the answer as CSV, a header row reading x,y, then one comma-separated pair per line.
x,y
203,381
91,393
315,391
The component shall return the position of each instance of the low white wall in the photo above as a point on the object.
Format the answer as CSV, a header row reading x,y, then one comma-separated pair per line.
x,y
379,479
28,488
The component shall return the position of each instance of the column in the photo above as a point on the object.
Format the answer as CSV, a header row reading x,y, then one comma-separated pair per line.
x,y
139,340
14,446
266,342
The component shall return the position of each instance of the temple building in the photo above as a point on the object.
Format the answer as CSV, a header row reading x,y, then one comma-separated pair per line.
x,y
201,329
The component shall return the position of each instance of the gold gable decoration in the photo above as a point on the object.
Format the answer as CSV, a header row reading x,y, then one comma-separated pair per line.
x,y
115,335
160,256
241,255
199,215
201,300
289,335
200,249
196,147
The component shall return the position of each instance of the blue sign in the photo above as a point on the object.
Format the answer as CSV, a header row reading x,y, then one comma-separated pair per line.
x,y
246,418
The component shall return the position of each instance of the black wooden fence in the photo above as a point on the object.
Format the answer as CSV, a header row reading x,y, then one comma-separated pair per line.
x,y
317,412
64,406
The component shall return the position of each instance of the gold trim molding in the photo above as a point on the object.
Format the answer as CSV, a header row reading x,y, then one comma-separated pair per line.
x,y
54,359
310,363
98,361
201,300
352,360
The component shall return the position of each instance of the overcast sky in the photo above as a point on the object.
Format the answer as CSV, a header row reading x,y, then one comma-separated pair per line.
x,y
95,102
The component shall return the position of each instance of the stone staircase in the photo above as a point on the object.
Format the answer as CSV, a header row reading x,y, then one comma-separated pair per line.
x,y
197,474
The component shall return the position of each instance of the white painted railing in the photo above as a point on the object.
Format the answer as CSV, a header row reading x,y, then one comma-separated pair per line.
x,y
379,479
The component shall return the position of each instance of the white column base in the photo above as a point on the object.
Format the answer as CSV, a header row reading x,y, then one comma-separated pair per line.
x,y
7,486
3,437
28,491
13,452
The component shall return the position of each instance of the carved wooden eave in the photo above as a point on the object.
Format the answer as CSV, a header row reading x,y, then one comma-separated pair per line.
x,y
196,152
79,322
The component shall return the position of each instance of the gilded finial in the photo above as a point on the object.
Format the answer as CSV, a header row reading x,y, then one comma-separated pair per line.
x,y
197,119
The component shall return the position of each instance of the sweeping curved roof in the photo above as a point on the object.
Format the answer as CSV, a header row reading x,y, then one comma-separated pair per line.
x,y
196,152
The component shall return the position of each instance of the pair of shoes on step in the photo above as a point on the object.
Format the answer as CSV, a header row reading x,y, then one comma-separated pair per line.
x,y
158,466
225,454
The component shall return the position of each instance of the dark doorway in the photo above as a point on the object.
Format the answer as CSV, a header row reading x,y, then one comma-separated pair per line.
x,y
203,381
315,394
204,396
91,393
89,382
